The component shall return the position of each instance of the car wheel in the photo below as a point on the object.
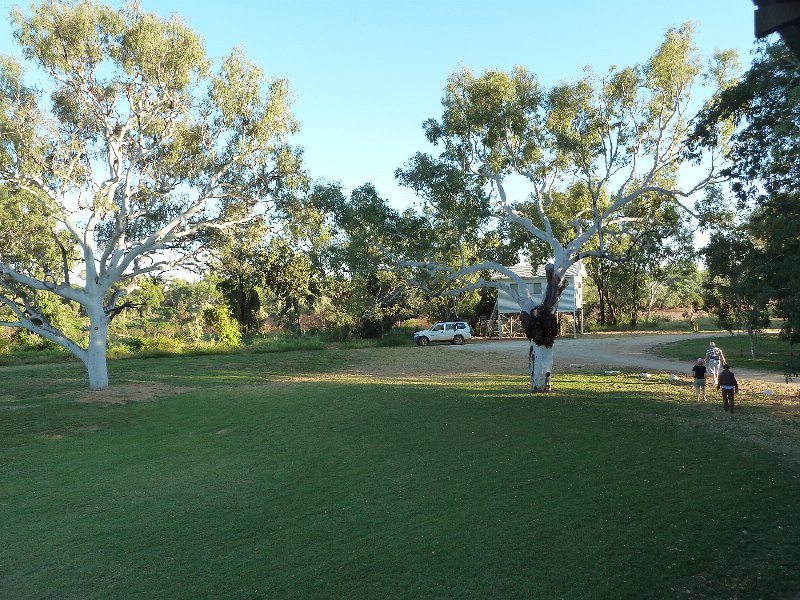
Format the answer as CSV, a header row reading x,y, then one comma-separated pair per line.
x,y
422,341
458,340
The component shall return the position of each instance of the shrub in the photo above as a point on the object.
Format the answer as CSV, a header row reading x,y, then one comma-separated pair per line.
x,y
219,319
162,343
136,344
27,340
287,344
193,330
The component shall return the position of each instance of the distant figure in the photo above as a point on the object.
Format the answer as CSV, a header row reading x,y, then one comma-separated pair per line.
x,y
727,381
714,358
699,372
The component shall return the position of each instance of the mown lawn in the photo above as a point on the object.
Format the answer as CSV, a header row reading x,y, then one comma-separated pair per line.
x,y
388,473
772,353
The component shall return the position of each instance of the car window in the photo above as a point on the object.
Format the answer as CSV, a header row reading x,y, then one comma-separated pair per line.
x,y
437,327
450,327
461,325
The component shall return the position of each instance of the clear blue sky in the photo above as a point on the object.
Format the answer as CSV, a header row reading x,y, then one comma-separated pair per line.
x,y
366,74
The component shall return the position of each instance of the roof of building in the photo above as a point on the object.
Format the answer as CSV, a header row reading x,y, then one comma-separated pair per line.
x,y
527,271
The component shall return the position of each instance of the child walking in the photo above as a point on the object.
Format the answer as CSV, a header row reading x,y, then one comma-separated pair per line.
x,y
699,372
727,381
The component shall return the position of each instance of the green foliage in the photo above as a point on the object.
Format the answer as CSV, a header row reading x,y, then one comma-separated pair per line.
x,y
143,151
599,159
273,269
148,296
224,326
52,312
240,259
27,340
764,168
182,299
29,239
648,258
152,344
366,306
366,292
456,221
193,330
738,289
287,278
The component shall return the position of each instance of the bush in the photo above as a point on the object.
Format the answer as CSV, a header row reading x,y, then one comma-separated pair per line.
x,y
399,336
136,344
219,319
27,340
155,345
193,330
287,344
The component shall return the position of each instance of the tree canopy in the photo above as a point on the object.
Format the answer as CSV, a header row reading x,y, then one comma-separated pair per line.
x,y
584,152
142,150
763,169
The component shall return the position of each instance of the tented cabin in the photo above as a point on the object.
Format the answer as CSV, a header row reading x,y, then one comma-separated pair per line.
x,y
505,321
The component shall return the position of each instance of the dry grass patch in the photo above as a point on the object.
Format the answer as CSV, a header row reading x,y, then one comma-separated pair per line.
x,y
142,391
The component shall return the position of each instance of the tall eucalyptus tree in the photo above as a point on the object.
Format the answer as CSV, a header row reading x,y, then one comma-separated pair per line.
x,y
619,138
142,149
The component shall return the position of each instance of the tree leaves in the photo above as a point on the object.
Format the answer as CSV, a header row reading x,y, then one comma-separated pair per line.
x,y
142,152
764,169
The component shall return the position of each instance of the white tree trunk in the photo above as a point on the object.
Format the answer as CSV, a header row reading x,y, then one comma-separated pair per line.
x,y
95,361
541,367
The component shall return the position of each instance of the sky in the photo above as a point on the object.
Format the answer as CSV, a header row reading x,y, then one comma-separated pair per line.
x,y
365,75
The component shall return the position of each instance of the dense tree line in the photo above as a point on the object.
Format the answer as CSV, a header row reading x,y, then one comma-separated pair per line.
x,y
754,221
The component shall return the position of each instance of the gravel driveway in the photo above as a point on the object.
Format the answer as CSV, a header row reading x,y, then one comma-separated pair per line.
x,y
617,351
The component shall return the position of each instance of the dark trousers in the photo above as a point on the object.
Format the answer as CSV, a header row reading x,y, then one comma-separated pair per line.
x,y
727,399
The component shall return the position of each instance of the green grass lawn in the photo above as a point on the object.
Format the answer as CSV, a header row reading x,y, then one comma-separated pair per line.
x,y
388,473
772,354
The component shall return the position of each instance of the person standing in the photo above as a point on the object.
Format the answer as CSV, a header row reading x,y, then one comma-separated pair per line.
x,y
699,372
727,381
714,358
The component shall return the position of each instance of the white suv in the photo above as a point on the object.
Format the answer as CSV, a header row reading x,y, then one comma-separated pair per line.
x,y
454,332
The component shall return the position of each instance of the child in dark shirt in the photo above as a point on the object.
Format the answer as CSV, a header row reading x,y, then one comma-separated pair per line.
x,y
727,381
699,372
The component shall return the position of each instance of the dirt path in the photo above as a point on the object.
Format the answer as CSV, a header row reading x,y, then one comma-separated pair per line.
x,y
619,351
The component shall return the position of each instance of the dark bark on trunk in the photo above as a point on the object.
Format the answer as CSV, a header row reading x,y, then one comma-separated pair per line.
x,y
600,279
540,327
541,324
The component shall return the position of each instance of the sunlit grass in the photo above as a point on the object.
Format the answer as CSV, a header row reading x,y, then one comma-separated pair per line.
x,y
772,353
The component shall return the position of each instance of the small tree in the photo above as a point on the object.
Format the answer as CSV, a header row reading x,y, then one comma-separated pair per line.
x,y
366,295
142,151
224,326
738,290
